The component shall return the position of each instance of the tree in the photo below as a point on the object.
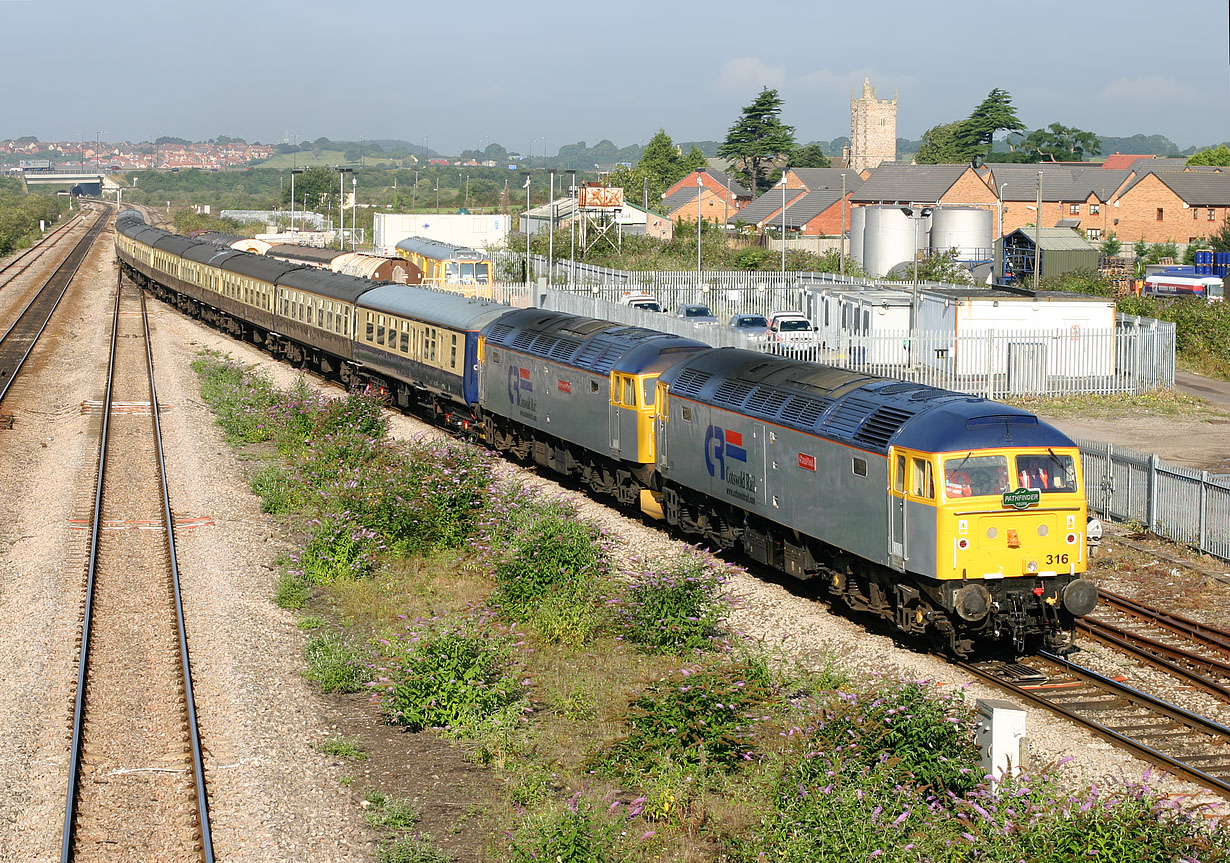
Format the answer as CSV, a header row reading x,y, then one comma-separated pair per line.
x,y
995,113
758,139
1220,242
317,185
693,161
1111,246
941,145
1061,144
810,156
1212,156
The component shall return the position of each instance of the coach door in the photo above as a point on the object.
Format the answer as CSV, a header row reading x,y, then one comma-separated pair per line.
x,y
896,512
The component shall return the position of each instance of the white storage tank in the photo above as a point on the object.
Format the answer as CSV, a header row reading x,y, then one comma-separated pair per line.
x,y
966,229
889,239
858,221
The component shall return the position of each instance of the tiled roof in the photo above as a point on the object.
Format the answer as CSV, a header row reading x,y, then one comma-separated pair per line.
x,y
724,179
804,209
895,183
768,208
1199,189
1122,161
815,179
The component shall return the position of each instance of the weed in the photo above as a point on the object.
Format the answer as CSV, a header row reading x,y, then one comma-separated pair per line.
x,y
338,547
578,704
342,747
676,609
335,665
700,714
239,397
311,621
345,781
456,677
578,833
277,489
393,813
412,849
553,564
291,592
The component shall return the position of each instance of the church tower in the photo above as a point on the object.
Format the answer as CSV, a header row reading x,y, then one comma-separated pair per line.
x,y
873,129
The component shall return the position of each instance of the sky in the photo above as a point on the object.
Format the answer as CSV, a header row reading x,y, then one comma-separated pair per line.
x,y
538,74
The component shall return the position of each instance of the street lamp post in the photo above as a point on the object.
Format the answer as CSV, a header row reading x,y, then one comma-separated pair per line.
x,y
572,224
783,185
293,171
551,233
354,197
700,187
1038,237
341,205
526,226
841,238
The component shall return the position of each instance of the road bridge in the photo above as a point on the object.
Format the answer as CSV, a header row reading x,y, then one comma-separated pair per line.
x,y
84,182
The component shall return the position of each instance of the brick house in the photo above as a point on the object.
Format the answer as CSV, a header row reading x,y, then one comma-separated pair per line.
x,y
815,213
928,185
723,196
1078,196
1165,207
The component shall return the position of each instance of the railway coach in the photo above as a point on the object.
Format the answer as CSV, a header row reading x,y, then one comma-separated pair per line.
x,y
444,263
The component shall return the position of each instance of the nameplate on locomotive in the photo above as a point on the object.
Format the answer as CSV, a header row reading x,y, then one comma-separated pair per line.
x,y
1022,498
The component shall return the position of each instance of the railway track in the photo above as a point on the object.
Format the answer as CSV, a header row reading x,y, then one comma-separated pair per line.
x,y
136,785
18,341
1182,742
24,260
1195,653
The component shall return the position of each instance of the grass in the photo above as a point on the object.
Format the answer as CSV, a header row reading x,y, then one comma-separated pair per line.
x,y
391,813
342,747
335,664
1164,403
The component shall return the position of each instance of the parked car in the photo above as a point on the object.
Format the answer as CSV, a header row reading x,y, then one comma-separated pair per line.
x,y
753,326
697,313
792,331
640,300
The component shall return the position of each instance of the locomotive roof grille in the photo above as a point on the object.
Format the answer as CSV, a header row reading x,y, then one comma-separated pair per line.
x,y
803,411
524,339
767,402
881,426
563,348
733,393
498,332
850,415
690,382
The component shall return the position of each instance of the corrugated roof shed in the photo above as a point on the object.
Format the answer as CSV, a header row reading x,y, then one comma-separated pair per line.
x,y
1056,239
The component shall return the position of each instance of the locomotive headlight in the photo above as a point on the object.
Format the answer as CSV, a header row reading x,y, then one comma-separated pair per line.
x,y
1032,566
1043,530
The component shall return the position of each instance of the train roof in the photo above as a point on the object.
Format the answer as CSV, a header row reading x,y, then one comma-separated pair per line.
x,y
174,244
326,283
864,411
436,307
210,254
257,266
588,343
304,253
436,249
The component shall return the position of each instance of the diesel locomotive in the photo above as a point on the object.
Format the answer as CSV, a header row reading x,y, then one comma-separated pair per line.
x,y
953,518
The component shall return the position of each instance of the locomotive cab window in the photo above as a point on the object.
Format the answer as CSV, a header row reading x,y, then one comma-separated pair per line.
x,y
970,475
650,388
899,475
629,398
922,480
1047,472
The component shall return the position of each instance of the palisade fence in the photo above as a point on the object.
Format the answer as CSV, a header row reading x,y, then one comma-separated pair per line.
x,y
1135,357
1178,503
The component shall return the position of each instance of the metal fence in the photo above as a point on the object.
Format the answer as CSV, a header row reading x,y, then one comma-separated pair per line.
x,y
1136,356
1182,504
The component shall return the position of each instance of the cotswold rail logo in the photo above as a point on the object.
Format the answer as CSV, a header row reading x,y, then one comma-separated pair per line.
x,y
720,444
518,382
1022,498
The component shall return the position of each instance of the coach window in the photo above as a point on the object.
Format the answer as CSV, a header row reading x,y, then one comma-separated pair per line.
x,y
899,474
922,482
371,328
380,330
452,353
405,340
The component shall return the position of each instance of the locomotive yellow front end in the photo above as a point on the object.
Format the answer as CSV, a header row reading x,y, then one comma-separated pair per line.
x,y
1012,527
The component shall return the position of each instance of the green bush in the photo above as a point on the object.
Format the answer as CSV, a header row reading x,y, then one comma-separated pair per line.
x,y
577,833
278,490
337,547
679,608
335,664
553,563
292,591
412,849
241,398
460,679
701,715
906,732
